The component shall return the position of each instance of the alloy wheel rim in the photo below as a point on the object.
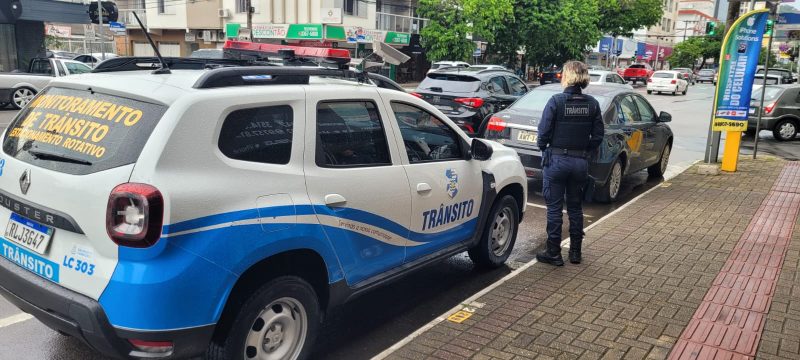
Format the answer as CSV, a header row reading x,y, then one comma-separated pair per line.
x,y
664,159
616,179
502,227
22,97
278,332
787,130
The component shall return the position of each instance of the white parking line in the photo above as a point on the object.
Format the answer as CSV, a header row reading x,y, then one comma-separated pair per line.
x,y
11,320
476,296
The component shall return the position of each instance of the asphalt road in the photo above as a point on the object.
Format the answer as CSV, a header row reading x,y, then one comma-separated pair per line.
x,y
377,320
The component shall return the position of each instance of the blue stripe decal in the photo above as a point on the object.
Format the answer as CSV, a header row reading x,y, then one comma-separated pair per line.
x,y
239,215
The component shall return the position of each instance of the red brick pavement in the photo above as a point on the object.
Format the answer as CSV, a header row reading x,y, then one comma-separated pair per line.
x,y
730,321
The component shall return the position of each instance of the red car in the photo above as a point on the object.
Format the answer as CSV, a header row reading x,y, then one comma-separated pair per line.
x,y
637,72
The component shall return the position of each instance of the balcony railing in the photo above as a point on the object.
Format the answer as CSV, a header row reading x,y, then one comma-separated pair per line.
x,y
400,23
126,17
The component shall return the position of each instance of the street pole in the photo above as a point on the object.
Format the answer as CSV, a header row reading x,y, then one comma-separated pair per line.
x,y
752,5
685,28
763,91
658,51
249,4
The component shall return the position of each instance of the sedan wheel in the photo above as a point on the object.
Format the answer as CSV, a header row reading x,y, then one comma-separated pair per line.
x,y
610,190
21,97
658,169
785,130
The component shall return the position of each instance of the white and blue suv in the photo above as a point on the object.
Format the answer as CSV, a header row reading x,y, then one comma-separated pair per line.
x,y
225,211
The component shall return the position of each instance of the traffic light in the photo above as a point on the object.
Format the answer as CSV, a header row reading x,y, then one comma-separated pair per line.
x,y
110,12
711,28
770,27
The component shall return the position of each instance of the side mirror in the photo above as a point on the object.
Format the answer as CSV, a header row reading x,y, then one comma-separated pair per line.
x,y
664,117
481,150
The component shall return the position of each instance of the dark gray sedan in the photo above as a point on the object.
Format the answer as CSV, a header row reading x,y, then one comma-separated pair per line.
x,y
636,137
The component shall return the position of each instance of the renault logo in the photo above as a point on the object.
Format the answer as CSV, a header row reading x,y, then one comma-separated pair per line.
x,y
25,181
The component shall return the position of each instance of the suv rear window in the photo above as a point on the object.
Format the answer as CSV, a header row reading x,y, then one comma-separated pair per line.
x,y
81,132
450,83
259,135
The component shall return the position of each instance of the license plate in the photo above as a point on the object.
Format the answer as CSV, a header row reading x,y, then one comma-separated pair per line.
x,y
30,235
444,107
752,110
526,136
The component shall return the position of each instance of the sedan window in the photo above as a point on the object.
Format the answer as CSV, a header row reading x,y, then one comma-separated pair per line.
x,y
646,113
628,112
499,85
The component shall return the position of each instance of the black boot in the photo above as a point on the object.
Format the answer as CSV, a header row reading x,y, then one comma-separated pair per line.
x,y
575,252
552,255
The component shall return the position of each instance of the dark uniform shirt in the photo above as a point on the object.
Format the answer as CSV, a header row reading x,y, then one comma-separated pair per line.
x,y
549,117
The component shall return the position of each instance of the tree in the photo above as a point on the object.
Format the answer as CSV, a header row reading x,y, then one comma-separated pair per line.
x,y
550,32
622,17
445,35
702,48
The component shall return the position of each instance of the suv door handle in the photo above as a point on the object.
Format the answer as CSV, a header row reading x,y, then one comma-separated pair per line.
x,y
335,200
423,188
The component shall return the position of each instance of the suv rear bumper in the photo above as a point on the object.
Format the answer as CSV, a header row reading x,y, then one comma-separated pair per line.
x,y
83,318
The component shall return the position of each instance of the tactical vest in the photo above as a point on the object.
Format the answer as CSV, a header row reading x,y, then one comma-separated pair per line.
x,y
573,123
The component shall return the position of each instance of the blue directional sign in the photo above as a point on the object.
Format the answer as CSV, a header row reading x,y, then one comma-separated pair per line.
x,y
116,26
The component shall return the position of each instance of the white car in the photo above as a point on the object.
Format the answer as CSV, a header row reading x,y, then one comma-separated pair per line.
x,y
602,77
447,64
488,67
18,88
164,215
667,81
93,59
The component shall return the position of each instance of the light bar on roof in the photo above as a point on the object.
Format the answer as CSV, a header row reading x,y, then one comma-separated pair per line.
x,y
328,54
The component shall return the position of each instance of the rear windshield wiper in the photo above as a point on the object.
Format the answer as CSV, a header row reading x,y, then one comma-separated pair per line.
x,y
57,157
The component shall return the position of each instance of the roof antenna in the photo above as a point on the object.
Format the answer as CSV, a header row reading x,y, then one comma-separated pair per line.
x,y
164,69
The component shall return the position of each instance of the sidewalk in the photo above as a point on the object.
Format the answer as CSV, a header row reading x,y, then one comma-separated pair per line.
x,y
700,267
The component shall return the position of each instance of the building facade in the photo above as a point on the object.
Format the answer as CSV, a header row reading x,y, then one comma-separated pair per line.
x,y
22,36
692,23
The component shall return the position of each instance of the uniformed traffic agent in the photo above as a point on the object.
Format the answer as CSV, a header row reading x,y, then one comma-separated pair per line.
x,y
571,130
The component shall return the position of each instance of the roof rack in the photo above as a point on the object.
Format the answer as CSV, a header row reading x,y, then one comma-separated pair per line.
x,y
135,63
270,75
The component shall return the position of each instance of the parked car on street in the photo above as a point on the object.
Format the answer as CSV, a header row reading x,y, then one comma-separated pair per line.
x,y
787,75
602,77
207,54
308,189
94,58
550,75
707,75
468,96
19,88
636,138
637,72
781,113
447,64
688,75
667,81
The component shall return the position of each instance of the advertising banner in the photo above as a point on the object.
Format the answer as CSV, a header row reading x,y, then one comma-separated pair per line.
x,y
738,61
270,31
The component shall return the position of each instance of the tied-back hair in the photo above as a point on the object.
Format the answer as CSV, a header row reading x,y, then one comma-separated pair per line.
x,y
575,73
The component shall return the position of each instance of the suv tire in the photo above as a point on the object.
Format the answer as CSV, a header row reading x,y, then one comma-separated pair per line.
x,y
285,311
610,191
497,240
785,130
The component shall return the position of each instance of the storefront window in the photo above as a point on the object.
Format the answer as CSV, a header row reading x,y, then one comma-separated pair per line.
x,y
8,48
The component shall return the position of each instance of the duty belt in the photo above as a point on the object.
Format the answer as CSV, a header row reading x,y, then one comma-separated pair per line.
x,y
569,152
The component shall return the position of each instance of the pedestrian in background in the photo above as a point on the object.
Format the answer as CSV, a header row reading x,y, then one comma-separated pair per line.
x,y
570,131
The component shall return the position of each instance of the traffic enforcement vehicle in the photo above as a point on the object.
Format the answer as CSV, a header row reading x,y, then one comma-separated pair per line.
x,y
224,211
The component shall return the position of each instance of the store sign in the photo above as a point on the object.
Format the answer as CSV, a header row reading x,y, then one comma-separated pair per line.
x,y
270,31
305,31
331,15
357,34
59,31
397,38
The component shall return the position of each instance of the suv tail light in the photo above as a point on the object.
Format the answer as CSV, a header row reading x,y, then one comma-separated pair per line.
x,y
558,76
470,102
768,109
496,124
134,215
416,95
673,81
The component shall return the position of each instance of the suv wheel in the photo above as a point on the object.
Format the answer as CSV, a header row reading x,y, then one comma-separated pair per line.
x,y
658,169
279,321
785,130
610,190
499,236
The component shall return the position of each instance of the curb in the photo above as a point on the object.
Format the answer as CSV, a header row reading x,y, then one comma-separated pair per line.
x,y
472,300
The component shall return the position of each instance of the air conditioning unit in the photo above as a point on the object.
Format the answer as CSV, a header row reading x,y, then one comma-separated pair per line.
x,y
221,36
210,35
224,13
